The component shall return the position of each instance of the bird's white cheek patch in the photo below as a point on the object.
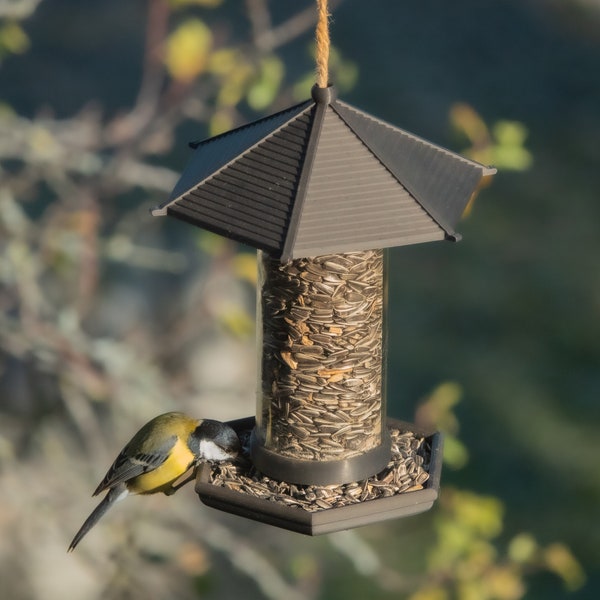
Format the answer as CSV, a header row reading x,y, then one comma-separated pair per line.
x,y
210,451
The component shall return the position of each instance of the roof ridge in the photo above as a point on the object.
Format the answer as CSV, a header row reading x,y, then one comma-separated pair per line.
x,y
236,130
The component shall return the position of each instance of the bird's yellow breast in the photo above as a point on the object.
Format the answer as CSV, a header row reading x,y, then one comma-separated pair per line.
x,y
160,479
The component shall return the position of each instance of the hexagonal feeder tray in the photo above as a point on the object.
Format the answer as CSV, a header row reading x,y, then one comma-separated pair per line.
x,y
278,511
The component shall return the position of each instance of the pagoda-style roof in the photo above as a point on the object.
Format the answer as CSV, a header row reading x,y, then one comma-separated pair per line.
x,y
324,177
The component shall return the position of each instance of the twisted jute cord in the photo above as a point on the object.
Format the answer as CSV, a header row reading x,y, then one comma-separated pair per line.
x,y
322,37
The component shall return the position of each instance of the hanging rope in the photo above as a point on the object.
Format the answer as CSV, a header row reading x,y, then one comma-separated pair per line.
x,y
322,36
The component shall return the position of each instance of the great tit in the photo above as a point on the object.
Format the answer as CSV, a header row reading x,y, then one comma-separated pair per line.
x,y
161,452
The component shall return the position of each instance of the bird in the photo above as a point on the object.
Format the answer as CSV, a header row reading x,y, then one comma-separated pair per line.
x,y
161,452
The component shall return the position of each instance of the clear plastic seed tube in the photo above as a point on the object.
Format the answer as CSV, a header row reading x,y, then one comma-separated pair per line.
x,y
320,332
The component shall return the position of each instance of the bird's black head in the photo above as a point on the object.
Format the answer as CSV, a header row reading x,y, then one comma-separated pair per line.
x,y
214,441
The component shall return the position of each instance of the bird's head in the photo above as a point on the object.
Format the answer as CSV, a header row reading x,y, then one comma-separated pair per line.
x,y
214,441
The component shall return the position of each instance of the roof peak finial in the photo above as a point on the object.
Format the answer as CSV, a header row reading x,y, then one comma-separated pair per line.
x,y
323,95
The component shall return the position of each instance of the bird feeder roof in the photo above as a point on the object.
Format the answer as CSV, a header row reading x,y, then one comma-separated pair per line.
x,y
324,177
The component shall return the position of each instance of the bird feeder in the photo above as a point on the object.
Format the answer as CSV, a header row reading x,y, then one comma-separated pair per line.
x,y
320,190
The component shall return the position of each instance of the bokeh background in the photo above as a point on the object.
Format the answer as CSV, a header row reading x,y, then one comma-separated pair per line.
x,y
109,316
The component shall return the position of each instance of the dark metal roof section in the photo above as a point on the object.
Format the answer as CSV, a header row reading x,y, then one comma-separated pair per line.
x,y
324,177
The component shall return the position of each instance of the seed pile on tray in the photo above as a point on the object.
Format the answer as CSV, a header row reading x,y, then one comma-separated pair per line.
x,y
407,471
321,368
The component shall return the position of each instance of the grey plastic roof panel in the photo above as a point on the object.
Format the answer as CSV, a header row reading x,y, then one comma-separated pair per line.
x,y
212,154
439,179
250,199
352,201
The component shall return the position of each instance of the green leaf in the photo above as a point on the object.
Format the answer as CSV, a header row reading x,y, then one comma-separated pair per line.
x,y
559,559
522,548
13,39
188,49
456,455
262,93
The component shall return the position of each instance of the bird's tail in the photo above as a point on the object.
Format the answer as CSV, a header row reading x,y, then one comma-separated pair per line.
x,y
114,494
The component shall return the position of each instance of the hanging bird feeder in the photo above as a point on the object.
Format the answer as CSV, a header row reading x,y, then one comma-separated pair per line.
x,y
320,190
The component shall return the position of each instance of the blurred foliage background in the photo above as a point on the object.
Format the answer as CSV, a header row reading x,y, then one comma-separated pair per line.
x,y
109,316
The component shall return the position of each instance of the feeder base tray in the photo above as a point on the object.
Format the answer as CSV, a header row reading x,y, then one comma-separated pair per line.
x,y
283,511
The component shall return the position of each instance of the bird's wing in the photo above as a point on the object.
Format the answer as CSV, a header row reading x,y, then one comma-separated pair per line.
x,y
127,466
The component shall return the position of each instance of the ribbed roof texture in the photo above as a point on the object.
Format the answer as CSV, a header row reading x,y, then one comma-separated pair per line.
x,y
324,177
